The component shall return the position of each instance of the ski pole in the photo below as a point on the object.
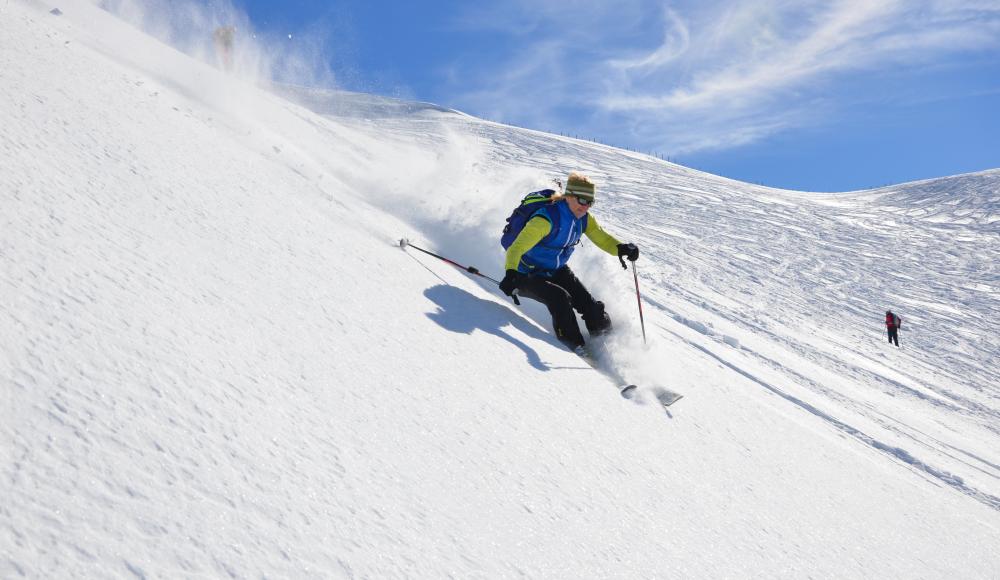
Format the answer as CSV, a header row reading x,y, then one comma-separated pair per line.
x,y
638,298
403,243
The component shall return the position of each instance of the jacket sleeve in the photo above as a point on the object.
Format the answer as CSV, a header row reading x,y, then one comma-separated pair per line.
x,y
537,228
601,238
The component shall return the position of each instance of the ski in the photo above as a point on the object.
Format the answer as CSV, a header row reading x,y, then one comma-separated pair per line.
x,y
666,397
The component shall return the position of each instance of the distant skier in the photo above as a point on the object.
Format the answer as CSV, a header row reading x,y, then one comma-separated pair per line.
x,y
892,324
223,37
536,260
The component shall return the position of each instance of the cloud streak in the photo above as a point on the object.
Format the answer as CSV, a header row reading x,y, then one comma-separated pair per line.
x,y
689,76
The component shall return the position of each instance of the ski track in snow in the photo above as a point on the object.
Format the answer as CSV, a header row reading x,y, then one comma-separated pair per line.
x,y
895,452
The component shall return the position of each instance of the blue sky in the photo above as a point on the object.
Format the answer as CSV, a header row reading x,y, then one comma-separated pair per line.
x,y
822,96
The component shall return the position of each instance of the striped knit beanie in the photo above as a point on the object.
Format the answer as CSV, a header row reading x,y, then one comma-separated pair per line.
x,y
580,186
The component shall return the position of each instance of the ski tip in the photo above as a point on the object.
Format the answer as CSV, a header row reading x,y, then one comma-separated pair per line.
x,y
667,399
663,396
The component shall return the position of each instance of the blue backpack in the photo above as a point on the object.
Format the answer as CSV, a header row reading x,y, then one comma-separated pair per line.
x,y
522,213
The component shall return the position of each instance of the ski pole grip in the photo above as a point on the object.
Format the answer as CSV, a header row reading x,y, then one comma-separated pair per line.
x,y
622,260
514,296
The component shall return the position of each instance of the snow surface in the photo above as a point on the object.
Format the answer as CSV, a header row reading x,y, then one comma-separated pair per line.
x,y
217,360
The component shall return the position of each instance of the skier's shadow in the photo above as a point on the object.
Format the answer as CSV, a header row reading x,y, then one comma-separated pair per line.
x,y
460,311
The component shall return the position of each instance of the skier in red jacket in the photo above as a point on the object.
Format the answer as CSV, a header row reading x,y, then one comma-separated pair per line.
x,y
892,324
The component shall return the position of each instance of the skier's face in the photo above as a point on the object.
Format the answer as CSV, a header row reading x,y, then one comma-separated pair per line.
x,y
578,207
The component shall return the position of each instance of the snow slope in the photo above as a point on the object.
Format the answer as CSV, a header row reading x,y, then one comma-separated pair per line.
x,y
217,361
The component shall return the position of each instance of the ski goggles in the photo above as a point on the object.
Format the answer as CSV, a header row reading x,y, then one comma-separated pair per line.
x,y
584,200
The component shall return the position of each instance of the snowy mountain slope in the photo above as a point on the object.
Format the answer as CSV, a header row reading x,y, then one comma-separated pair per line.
x,y
811,275
218,362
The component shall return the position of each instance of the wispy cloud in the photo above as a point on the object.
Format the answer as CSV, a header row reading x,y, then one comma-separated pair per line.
x,y
676,40
688,76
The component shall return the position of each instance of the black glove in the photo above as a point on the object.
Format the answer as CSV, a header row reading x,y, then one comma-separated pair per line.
x,y
629,251
510,282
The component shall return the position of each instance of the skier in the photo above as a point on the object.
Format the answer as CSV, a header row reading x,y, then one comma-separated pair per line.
x,y
892,324
223,37
536,261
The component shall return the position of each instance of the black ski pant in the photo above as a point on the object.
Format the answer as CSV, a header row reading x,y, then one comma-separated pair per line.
x,y
562,293
894,336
